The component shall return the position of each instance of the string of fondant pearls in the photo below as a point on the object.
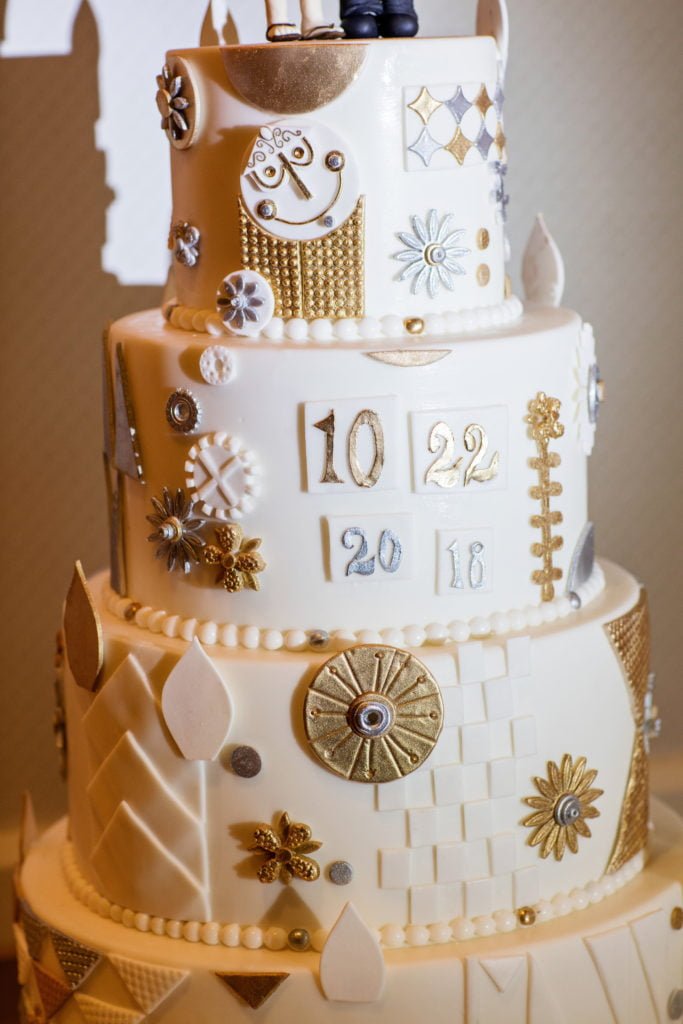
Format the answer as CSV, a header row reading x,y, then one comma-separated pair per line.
x,y
253,638
326,332
391,936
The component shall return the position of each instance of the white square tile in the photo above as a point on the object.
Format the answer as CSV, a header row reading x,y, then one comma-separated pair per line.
x,y
524,690
447,749
476,743
422,866
395,869
479,898
524,737
471,663
495,663
478,820
507,813
473,703
499,698
475,782
501,738
420,792
448,785
527,887
449,824
423,826
452,706
502,854
519,656
452,903
476,860
502,892
502,776
392,796
425,904
450,863
442,666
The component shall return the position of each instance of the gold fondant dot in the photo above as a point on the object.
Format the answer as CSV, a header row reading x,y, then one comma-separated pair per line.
x,y
677,919
483,239
414,325
483,274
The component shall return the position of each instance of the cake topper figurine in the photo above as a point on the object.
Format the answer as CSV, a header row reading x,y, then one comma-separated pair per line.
x,y
313,25
368,19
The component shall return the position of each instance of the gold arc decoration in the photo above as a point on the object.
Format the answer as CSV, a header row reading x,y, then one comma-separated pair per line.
x,y
373,714
253,989
407,357
544,427
288,79
630,639
286,848
83,632
323,278
553,832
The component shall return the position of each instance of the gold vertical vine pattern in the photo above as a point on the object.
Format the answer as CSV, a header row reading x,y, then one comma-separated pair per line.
x,y
545,426
630,638
324,277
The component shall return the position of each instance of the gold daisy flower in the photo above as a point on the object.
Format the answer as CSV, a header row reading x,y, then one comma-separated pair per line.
x,y
562,808
286,849
237,558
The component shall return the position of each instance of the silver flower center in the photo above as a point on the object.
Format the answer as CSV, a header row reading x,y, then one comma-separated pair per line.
x,y
371,715
171,529
435,254
567,809
238,302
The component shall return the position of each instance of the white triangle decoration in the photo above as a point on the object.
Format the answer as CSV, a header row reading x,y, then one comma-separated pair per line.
x,y
148,984
97,1012
651,934
544,1006
351,965
502,970
543,267
196,706
620,971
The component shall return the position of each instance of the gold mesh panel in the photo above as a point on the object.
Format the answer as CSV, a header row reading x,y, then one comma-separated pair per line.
x,y
630,638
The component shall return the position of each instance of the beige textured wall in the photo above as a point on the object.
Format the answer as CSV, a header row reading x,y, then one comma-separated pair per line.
x,y
593,120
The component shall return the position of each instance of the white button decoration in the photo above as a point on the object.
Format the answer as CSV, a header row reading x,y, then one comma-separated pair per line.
x,y
216,365
196,706
221,476
245,303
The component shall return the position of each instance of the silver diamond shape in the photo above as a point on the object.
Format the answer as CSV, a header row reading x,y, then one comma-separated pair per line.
x,y
499,100
484,141
458,105
425,147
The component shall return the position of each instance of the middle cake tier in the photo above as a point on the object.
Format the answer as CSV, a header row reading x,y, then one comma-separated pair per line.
x,y
438,487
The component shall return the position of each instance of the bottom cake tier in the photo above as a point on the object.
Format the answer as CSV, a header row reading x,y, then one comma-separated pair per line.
x,y
620,960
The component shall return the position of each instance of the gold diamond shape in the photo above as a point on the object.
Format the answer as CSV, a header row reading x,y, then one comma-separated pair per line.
x,y
459,146
425,105
500,139
483,102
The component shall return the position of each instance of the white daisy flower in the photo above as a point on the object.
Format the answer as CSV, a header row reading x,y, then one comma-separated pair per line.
x,y
431,256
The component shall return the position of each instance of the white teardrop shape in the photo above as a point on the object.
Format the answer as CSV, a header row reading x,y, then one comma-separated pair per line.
x,y
351,965
196,706
543,267
492,20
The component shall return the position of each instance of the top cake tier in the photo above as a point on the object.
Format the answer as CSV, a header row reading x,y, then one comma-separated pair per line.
x,y
358,179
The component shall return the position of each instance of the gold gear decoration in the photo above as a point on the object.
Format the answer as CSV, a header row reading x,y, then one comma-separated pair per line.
x,y
373,714
630,638
318,279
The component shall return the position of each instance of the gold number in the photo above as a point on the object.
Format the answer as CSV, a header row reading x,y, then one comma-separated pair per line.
x,y
327,426
370,419
444,472
476,441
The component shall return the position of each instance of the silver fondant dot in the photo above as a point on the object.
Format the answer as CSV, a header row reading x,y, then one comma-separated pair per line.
x,y
183,411
341,872
575,601
318,639
245,762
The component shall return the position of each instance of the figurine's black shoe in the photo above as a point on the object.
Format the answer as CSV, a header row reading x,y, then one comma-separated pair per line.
x,y
360,26
394,25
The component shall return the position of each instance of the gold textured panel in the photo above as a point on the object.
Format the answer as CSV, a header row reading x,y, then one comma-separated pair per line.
x,y
293,79
630,638
321,278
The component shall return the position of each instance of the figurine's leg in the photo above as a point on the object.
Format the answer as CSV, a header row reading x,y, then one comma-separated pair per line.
x,y
359,18
399,18
313,24
279,29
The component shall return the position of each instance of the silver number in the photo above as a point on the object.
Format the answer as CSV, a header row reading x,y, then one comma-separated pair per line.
x,y
360,563
457,582
388,539
477,566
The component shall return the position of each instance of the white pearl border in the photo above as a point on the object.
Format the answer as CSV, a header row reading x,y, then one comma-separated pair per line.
x,y
391,936
328,332
252,638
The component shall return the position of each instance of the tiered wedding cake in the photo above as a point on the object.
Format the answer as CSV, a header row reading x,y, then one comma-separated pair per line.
x,y
357,726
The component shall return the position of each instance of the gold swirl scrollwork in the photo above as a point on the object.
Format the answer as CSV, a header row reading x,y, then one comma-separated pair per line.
x,y
373,714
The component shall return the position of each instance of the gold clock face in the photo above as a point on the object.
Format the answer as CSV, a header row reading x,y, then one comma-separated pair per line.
x,y
300,181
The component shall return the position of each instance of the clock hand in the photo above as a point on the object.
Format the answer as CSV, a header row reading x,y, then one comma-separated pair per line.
x,y
295,177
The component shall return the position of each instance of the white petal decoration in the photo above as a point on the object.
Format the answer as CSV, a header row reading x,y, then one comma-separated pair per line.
x,y
96,1012
149,984
351,965
543,267
492,20
197,706
544,1005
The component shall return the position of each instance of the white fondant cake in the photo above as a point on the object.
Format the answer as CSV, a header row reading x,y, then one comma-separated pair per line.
x,y
358,728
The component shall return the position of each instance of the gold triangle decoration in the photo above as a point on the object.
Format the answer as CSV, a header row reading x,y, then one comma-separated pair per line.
x,y
253,989
96,1012
34,930
630,638
83,632
76,960
148,984
53,992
